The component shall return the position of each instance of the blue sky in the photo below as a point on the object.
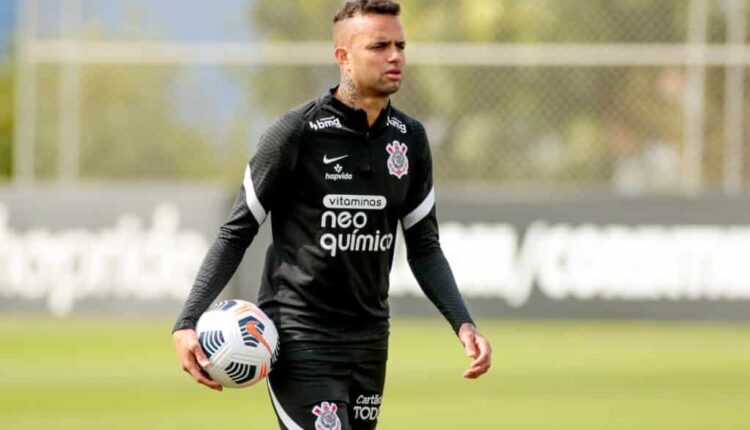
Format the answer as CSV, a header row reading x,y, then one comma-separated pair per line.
x,y
206,96
7,24
185,20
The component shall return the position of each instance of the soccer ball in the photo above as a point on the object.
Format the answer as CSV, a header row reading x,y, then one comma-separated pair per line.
x,y
239,340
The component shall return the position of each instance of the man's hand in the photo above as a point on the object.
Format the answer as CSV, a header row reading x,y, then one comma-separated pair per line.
x,y
190,353
477,348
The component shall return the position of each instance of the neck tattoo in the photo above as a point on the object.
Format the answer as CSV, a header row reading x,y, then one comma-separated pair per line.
x,y
349,92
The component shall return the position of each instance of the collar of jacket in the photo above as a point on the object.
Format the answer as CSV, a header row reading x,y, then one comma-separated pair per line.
x,y
356,119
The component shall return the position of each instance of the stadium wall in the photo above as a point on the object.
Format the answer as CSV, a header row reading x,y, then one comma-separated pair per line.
x,y
135,249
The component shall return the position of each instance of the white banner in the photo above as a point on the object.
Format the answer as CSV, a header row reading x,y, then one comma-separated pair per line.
x,y
611,262
128,260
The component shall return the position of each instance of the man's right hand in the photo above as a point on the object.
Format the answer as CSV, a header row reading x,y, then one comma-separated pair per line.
x,y
190,354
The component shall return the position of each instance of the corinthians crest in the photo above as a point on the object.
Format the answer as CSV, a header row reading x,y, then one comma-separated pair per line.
x,y
327,418
398,164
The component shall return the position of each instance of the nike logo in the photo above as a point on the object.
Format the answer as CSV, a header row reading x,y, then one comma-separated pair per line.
x,y
253,331
327,160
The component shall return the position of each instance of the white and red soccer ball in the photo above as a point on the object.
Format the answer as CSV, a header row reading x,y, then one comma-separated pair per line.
x,y
240,341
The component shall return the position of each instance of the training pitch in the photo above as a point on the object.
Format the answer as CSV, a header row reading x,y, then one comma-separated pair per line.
x,y
121,373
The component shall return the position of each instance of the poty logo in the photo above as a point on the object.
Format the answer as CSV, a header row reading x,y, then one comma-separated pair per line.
x,y
395,122
323,123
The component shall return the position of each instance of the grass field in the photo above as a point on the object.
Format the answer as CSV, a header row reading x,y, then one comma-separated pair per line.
x,y
122,374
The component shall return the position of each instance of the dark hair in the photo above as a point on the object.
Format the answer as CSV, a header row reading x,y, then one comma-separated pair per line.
x,y
364,7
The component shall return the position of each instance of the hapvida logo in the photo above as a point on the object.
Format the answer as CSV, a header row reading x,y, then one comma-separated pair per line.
x,y
340,175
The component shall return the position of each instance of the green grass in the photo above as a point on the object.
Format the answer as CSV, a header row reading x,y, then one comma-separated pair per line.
x,y
122,374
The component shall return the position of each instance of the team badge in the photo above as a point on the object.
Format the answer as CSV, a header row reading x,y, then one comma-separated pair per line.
x,y
398,164
327,418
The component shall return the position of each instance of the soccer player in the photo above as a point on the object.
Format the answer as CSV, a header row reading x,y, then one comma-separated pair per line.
x,y
338,174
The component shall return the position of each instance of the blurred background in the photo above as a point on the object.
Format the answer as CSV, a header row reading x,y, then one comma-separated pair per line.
x,y
591,164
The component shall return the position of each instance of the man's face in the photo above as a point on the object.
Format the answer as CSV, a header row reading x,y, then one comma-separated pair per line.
x,y
375,53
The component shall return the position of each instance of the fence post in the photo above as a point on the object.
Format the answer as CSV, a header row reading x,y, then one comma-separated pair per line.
x,y
734,92
24,129
69,129
693,113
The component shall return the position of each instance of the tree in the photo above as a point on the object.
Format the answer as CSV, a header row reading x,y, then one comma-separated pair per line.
x,y
6,120
507,125
129,130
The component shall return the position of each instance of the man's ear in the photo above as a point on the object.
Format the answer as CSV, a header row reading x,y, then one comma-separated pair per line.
x,y
342,56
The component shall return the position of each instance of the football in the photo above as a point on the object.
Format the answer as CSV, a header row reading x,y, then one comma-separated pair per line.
x,y
240,342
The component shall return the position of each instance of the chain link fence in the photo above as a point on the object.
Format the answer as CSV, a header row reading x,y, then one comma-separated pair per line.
x,y
549,94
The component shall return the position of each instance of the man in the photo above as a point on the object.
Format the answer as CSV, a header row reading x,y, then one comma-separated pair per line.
x,y
338,174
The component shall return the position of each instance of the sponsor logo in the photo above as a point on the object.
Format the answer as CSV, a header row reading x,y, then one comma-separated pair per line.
x,y
395,122
350,201
398,164
323,123
367,408
327,160
353,240
252,333
327,418
340,175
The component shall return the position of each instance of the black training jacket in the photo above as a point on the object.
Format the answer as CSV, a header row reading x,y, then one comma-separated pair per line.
x,y
336,190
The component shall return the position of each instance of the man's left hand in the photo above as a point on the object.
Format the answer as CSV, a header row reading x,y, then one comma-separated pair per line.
x,y
477,348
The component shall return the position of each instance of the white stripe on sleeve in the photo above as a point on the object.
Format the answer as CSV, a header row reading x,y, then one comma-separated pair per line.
x,y
420,212
283,416
251,199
